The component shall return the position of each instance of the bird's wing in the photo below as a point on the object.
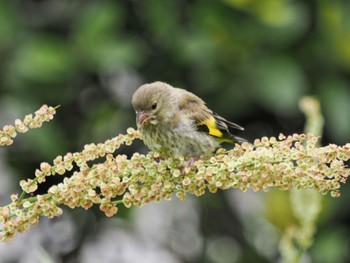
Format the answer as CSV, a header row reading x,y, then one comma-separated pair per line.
x,y
206,120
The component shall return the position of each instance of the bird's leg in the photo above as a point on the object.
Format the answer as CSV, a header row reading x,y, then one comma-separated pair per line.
x,y
188,164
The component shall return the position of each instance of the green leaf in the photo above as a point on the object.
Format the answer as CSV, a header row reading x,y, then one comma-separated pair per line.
x,y
279,84
43,59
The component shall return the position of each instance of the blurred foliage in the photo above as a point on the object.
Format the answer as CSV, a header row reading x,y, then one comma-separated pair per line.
x,y
250,60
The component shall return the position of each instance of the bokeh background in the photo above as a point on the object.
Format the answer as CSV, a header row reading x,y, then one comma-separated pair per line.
x,y
251,60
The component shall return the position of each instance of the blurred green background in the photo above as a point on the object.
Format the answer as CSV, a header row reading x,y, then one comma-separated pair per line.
x,y
250,60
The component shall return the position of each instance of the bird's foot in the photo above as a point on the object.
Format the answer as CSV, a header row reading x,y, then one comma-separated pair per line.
x,y
158,159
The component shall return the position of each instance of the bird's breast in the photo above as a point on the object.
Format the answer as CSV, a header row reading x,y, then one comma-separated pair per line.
x,y
181,140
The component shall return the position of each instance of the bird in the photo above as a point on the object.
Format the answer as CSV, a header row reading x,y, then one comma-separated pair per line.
x,y
176,123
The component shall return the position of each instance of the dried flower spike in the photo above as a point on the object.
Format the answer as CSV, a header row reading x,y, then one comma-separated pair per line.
x,y
8,132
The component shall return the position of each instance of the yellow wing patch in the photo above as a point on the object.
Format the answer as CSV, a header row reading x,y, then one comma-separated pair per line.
x,y
213,130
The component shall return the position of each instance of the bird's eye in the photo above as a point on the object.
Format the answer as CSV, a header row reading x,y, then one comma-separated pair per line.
x,y
154,106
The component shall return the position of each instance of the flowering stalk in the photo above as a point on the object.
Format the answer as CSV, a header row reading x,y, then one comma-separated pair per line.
x,y
305,204
283,163
8,132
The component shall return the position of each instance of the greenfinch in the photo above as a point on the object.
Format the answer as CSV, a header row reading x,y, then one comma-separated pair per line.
x,y
174,122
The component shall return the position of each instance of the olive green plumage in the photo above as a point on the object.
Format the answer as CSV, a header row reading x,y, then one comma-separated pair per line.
x,y
175,122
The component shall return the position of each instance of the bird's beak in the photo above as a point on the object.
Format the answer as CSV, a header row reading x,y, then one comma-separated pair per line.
x,y
143,117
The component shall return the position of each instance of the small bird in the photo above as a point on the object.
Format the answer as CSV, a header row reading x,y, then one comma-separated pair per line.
x,y
174,122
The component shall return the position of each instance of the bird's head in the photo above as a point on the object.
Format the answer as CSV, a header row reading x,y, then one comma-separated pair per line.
x,y
151,103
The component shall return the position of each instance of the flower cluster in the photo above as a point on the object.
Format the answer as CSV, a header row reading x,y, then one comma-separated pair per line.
x,y
44,114
78,190
284,163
